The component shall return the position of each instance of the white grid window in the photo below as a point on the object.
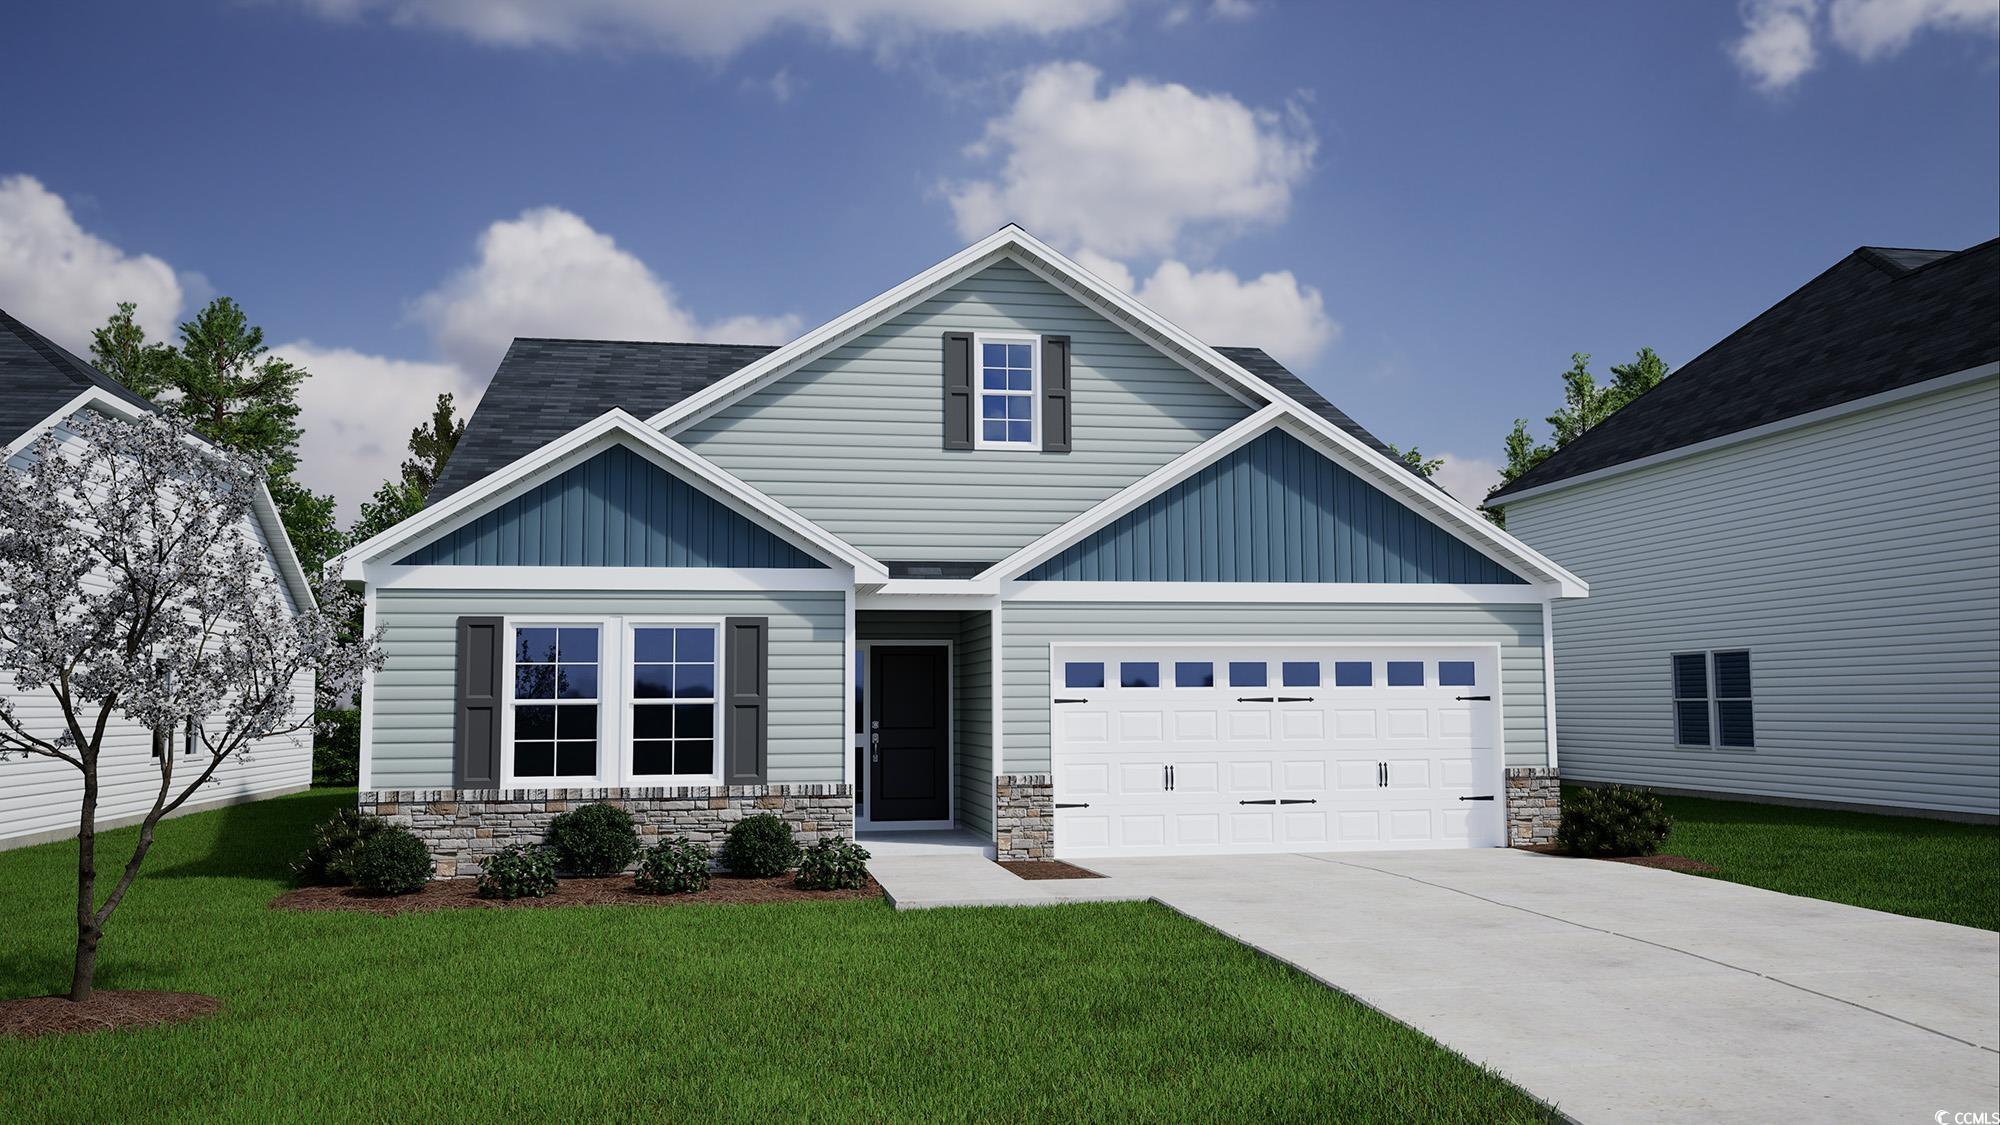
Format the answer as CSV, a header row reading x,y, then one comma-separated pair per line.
x,y
1008,381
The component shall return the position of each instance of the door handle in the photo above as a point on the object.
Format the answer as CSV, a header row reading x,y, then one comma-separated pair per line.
x,y
875,746
1382,773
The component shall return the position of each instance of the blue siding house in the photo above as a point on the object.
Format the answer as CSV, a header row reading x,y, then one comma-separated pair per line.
x,y
999,552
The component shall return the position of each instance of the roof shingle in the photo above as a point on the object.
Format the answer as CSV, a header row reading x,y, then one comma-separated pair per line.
x,y
39,377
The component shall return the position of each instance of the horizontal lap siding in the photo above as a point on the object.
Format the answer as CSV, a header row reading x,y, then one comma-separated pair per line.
x,y
413,700
854,440
1029,629
1858,559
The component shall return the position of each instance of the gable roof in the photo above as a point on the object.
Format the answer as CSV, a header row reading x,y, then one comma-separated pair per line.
x,y
39,378
1877,320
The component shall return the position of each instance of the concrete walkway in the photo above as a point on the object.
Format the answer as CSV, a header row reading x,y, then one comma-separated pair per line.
x,y
915,879
1621,993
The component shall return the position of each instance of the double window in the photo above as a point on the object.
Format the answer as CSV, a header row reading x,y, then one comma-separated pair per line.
x,y
1712,699
611,702
1008,372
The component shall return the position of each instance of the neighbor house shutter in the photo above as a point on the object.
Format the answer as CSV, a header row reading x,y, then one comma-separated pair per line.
x,y
1055,394
476,755
958,390
746,663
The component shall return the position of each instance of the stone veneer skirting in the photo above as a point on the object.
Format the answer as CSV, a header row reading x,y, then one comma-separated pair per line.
x,y
1534,805
463,826
1024,816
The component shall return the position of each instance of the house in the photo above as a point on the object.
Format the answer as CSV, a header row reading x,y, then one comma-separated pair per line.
x,y
1793,546
42,388
998,550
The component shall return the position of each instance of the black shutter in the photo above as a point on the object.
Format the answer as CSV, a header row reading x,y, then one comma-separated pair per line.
x,y
1055,394
476,754
958,390
746,664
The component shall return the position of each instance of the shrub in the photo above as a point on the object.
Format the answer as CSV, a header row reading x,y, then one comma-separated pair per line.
x,y
760,846
329,859
337,747
1612,820
833,864
392,862
594,840
517,872
677,866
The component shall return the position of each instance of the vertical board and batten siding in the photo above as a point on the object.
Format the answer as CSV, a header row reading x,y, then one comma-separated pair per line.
x,y
41,798
1858,559
1275,510
616,509
413,703
855,440
1029,628
971,635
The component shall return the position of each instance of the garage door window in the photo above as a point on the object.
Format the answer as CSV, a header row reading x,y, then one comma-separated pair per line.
x,y
1139,673
1247,673
1301,673
1194,673
1455,673
1353,673
1406,673
1083,674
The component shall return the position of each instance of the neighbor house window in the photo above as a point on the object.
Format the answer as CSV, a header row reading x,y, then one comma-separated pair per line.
x,y
1007,383
673,701
555,701
1712,699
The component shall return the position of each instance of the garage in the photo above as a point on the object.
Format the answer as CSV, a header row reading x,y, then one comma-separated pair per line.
x,y
1161,749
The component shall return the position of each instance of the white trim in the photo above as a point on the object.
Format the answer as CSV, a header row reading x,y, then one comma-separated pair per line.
x,y
365,771
850,725
609,578
917,594
1824,414
610,428
1358,593
1033,394
866,820
1549,679
999,723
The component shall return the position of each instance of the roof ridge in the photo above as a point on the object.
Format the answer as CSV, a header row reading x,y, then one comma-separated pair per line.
x,y
647,343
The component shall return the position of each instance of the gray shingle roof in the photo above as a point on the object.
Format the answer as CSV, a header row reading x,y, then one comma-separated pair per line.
x,y
39,376
1879,319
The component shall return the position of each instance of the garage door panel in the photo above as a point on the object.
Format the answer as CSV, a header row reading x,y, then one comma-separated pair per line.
x,y
1357,774
1141,728
1353,723
1302,726
1197,777
1252,828
1195,830
1084,779
1077,727
1196,726
1304,827
1247,777
1407,722
1250,726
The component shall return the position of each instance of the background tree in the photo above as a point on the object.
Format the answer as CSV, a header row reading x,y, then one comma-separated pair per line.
x,y
182,629
1426,467
1585,404
401,497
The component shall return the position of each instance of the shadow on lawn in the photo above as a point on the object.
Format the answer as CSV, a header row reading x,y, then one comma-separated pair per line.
x,y
258,840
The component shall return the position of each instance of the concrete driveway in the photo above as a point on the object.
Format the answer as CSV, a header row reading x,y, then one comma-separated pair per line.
x,y
1622,993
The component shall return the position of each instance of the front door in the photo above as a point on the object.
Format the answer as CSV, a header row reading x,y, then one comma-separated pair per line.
x,y
909,754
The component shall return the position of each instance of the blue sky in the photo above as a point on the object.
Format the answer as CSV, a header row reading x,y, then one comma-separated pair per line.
x,y
1424,208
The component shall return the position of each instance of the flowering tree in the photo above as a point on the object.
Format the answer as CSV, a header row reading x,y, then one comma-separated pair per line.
x,y
132,589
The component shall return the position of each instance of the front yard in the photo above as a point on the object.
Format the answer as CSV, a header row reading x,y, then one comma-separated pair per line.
x,y
834,1011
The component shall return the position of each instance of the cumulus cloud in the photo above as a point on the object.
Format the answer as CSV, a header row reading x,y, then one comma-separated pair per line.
x,y
1132,170
1781,38
357,411
63,281
721,28
1271,311
1468,478
549,273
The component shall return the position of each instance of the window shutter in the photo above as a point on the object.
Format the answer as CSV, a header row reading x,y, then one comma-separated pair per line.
x,y
1055,394
476,755
958,390
746,680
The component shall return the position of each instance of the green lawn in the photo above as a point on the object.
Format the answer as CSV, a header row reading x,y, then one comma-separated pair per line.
x,y
837,1011
1905,865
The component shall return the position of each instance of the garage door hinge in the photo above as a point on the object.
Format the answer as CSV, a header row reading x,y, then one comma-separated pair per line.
x,y
1266,801
1084,805
1295,699
1479,698
1256,699
1072,701
1481,797
1299,801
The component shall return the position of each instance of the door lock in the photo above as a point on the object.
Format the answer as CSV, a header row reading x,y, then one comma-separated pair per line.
x,y
875,745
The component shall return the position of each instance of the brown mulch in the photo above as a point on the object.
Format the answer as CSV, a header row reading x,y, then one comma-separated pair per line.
x,y
1664,862
106,1009
1046,869
607,890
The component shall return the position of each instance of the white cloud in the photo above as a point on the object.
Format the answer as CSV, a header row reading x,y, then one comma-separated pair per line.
x,y
1780,42
1131,171
1468,478
63,281
1271,311
548,273
357,411
718,28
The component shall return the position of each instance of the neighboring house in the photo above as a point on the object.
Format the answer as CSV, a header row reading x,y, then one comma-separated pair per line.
x,y
1793,546
42,387
999,549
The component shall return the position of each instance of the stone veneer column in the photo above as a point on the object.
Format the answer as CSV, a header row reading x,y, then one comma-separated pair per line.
x,y
461,827
1024,816
1534,806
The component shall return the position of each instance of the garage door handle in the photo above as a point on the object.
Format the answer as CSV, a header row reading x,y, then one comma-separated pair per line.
x,y
1479,698
1483,797
1084,805
1266,801
1072,701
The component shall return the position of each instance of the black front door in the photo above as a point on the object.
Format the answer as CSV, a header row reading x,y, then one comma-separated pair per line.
x,y
909,747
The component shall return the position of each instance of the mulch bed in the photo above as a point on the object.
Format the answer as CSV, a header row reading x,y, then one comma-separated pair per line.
x,y
608,890
1664,862
1046,869
106,1009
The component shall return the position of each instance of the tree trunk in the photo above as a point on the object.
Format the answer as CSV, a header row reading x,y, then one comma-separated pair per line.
x,y
87,929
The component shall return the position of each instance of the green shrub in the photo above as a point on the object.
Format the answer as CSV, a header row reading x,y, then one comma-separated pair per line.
x,y
676,866
833,864
594,840
1612,820
760,846
329,859
336,747
392,862
518,871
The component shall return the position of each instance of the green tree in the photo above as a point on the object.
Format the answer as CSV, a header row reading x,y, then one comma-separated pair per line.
x,y
1426,467
1585,404
403,496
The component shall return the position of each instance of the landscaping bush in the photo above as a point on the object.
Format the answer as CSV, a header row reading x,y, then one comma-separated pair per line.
x,y
594,840
833,864
329,859
678,866
1612,820
393,861
518,872
760,846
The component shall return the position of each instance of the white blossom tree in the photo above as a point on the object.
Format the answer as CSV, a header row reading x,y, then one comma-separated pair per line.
x,y
132,588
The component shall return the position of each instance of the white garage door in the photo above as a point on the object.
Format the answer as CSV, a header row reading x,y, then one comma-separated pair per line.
x,y
1166,749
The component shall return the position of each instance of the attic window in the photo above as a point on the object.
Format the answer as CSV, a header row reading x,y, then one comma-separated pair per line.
x,y
1009,369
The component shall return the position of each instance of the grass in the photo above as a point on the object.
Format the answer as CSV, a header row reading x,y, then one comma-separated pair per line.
x,y
819,1011
1904,865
